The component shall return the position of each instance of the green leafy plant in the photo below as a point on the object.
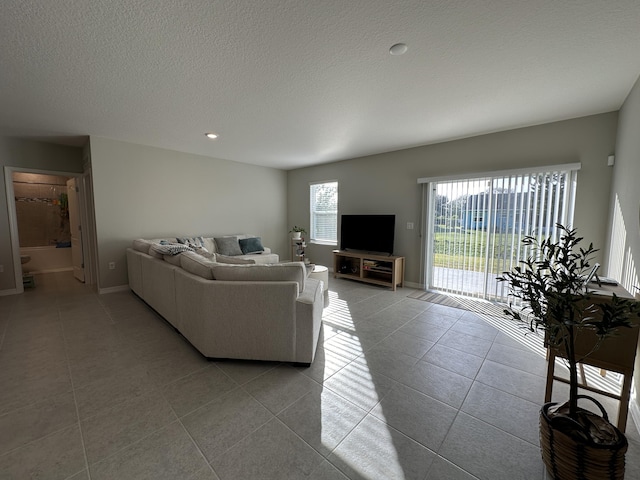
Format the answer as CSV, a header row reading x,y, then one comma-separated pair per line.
x,y
549,287
297,229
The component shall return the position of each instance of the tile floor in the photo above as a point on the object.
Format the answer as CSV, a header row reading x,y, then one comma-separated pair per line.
x,y
99,387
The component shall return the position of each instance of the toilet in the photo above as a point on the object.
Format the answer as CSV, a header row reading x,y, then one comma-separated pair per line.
x,y
27,279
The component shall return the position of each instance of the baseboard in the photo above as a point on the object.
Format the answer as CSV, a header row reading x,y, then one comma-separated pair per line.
x,y
417,286
119,288
11,291
49,270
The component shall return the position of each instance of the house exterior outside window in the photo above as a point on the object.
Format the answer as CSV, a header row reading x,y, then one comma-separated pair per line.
x,y
324,212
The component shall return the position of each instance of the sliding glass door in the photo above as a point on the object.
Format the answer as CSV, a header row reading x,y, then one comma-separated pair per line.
x,y
476,224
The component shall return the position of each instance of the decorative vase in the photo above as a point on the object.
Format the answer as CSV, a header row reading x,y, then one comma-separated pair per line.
x,y
569,453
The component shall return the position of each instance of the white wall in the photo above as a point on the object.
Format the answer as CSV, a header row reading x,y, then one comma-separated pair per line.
x,y
149,192
33,155
624,229
387,183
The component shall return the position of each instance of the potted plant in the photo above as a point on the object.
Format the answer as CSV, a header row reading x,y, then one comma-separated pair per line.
x,y
551,297
297,231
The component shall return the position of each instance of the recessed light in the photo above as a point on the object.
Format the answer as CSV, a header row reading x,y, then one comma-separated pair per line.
x,y
211,136
398,49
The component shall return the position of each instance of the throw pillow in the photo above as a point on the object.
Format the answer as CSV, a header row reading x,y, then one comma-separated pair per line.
x,y
191,241
251,245
228,246
233,260
169,248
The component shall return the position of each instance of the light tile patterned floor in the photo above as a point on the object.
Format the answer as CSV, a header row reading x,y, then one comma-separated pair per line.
x,y
99,387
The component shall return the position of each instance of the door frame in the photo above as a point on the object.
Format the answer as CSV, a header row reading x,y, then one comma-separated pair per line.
x,y
13,218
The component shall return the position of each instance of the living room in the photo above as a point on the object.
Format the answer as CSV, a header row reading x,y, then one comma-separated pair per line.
x,y
152,191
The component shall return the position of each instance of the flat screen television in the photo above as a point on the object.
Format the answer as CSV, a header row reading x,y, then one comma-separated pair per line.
x,y
368,233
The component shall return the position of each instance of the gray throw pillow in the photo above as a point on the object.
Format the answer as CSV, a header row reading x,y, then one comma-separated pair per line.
x,y
228,246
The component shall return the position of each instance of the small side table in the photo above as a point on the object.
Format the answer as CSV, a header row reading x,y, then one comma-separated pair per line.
x,y
320,272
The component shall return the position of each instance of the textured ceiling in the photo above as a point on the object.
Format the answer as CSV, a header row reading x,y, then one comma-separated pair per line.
x,y
290,83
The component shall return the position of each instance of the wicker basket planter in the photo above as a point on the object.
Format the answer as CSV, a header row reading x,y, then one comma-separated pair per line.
x,y
569,453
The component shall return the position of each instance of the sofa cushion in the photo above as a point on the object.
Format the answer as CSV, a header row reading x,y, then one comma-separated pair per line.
x,y
153,252
251,245
173,259
261,257
142,245
197,264
228,246
233,260
282,272
204,252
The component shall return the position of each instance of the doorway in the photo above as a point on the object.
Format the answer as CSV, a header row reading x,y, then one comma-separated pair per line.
x,y
40,221
476,225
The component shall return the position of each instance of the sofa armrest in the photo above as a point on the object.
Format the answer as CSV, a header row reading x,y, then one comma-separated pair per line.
x,y
309,307
238,319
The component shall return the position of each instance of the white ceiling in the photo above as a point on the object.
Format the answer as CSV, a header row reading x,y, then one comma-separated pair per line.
x,y
290,83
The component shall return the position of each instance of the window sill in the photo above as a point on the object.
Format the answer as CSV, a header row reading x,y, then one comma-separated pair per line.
x,y
324,242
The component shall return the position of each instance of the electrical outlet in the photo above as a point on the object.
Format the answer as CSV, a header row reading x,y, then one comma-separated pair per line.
x,y
409,225
112,265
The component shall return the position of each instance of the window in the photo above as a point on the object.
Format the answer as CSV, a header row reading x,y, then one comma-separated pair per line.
x,y
324,212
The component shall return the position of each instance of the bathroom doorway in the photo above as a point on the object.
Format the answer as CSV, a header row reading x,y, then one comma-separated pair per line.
x,y
40,212
42,215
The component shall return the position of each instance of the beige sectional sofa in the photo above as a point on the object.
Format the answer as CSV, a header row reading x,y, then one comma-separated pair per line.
x,y
262,310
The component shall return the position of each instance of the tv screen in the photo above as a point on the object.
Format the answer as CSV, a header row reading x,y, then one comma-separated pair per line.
x,y
368,233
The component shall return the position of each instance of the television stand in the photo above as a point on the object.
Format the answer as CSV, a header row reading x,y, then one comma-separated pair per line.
x,y
383,270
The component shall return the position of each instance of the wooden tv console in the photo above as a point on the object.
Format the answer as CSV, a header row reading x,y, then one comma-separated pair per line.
x,y
384,270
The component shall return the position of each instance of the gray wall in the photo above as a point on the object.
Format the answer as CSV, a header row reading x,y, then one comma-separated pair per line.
x,y
34,155
149,192
387,183
624,242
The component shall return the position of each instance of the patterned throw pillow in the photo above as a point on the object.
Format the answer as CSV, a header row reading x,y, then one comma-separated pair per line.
x,y
191,241
167,248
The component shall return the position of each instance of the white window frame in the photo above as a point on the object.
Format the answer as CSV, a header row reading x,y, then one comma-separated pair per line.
x,y
312,213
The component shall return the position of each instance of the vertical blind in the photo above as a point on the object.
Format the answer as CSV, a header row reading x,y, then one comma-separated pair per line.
x,y
477,225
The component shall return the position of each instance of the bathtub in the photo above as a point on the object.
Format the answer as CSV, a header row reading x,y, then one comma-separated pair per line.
x,y
47,259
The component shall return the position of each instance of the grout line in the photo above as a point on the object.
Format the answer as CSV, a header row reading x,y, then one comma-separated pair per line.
x,y
195,444
75,399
